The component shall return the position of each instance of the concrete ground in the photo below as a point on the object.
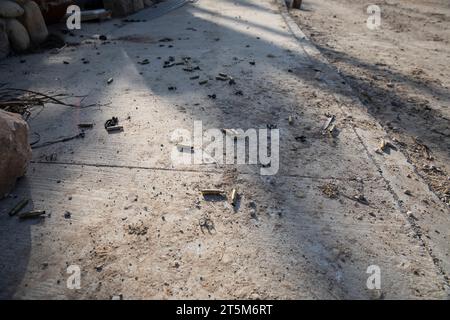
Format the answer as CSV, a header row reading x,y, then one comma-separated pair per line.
x,y
136,224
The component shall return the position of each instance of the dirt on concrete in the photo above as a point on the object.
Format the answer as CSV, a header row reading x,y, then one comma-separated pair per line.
x,y
135,223
399,71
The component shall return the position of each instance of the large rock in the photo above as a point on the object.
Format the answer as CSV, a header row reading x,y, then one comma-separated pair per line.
x,y
4,42
18,35
122,8
34,22
15,151
10,9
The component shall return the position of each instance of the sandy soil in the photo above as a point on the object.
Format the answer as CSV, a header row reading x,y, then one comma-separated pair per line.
x,y
400,71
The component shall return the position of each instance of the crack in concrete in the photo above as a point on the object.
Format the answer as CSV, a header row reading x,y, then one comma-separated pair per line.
x,y
104,165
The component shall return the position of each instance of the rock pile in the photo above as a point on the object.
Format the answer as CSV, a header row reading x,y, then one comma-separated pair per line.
x,y
21,26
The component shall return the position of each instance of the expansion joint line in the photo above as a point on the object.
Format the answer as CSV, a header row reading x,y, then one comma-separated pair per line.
x,y
185,170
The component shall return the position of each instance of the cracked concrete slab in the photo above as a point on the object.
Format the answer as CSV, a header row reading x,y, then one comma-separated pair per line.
x,y
137,222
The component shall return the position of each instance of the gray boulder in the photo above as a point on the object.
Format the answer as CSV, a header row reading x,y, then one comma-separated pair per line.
x,y
10,9
18,35
34,22
4,42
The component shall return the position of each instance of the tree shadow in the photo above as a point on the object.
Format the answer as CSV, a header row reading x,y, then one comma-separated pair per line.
x,y
16,240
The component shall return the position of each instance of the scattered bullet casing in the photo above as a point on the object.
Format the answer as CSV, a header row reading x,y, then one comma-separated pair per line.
x,y
212,192
85,125
31,214
18,207
114,128
233,197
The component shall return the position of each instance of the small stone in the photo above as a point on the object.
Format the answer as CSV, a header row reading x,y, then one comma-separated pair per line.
x,y
376,294
226,258
411,215
255,296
